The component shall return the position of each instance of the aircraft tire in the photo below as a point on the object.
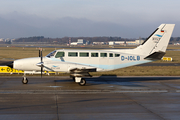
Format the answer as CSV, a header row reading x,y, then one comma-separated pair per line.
x,y
24,80
83,82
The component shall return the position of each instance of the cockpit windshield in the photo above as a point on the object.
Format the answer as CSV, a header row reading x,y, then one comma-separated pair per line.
x,y
51,54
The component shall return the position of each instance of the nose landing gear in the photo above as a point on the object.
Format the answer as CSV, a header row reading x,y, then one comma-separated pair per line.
x,y
24,80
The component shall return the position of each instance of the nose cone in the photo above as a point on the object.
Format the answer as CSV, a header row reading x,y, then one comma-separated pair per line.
x,y
27,64
18,64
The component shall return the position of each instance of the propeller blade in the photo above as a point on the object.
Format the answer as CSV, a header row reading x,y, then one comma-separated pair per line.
x,y
39,53
41,70
41,56
41,64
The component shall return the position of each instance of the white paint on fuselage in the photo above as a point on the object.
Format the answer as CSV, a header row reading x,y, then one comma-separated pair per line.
x,y
66,63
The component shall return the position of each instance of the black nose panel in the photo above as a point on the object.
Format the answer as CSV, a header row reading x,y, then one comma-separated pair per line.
x,y
7,63
10,64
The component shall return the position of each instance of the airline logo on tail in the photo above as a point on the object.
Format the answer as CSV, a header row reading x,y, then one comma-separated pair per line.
x,y
158,35
157,38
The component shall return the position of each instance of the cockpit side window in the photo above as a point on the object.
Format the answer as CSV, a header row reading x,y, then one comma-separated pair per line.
x,y
59,54
51,54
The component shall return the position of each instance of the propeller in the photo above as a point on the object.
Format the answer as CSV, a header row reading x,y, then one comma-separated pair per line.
x,y
41,64
39,52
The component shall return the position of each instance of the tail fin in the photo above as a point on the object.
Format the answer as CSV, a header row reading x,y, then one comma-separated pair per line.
x,y
157,42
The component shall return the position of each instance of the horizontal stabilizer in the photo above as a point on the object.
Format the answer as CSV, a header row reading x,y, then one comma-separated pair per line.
x,y
155,56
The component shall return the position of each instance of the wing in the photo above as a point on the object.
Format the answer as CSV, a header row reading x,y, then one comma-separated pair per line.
x,y
81,72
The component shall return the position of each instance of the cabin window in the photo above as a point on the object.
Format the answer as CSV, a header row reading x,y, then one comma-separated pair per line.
x,y
59,54
117,55
94,54
84,54
110,54
72,54
103,54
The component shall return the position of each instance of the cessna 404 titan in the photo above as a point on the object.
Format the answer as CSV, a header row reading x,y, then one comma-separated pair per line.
x,y
80,62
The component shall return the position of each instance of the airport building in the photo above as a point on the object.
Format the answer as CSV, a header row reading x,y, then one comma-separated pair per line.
x,y
79,42
130,42
119,42
99,43
73,43
138,42
111,43
116,42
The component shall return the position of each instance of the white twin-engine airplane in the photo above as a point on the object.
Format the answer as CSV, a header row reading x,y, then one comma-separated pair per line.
x,y
80,62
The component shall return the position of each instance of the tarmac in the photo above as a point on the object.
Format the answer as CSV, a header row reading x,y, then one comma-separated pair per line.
x,y
103,98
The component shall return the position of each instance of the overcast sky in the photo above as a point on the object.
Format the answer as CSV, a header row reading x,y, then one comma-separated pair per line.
x,y
88,18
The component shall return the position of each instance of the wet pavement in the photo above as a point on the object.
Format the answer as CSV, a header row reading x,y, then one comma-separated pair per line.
x,y
107,97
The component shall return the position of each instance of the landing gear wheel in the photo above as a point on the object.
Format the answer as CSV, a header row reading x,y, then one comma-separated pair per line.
x,y
83,82
24,80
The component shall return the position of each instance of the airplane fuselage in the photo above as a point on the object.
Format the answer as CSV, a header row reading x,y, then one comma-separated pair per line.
x,y
65,60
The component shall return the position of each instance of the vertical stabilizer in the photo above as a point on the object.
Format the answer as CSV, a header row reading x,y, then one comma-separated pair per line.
x,y
157,41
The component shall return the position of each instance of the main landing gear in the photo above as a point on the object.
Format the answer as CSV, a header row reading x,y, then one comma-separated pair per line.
x,y
79,80
82,82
